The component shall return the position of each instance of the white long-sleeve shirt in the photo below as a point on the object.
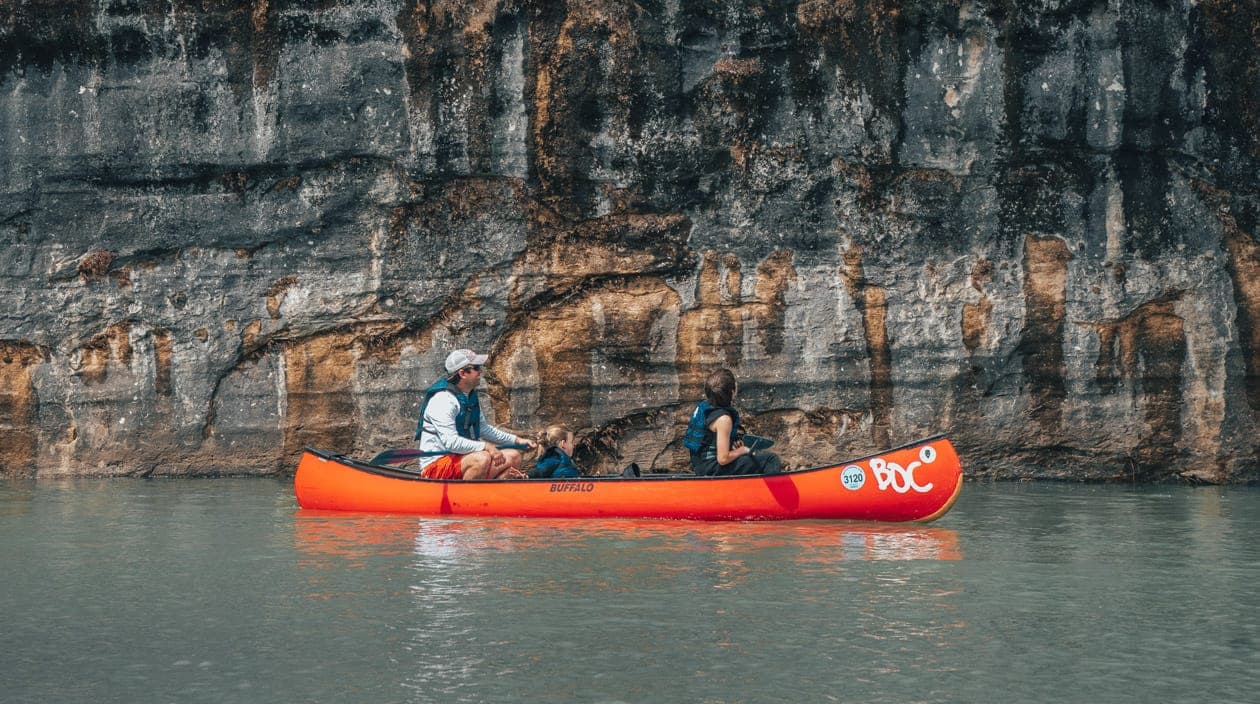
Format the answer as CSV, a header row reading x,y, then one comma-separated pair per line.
x,y
440,435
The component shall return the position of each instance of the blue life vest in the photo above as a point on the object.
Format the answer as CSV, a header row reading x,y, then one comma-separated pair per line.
x,y
554,464
698,438
467,422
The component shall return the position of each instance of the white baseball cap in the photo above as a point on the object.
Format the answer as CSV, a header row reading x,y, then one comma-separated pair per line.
x,y
463,358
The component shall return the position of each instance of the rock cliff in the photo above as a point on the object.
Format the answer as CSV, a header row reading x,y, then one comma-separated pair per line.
x,y
231,229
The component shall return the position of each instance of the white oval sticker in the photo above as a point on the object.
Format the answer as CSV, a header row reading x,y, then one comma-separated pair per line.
x,y
853,477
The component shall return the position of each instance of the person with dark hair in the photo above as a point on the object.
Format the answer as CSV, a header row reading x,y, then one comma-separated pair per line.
x,y
455,441
713,433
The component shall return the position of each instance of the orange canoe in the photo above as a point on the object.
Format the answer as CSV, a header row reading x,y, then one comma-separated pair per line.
x,y
916,482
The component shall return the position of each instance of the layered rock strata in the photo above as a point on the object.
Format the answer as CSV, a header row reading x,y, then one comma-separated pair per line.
x,y
231,229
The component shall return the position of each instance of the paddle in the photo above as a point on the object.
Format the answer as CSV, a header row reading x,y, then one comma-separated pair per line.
x,y
756,442
752,442
407,454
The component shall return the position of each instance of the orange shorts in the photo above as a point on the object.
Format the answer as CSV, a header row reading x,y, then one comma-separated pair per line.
x,y
445,467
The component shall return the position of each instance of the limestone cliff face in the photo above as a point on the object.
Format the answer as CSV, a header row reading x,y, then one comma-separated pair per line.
x,y
230,229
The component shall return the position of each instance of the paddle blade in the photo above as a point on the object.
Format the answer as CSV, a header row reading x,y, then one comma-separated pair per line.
x,y
756,442
396,456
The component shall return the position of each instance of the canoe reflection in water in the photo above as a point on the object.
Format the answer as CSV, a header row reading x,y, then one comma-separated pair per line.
x,y
336,536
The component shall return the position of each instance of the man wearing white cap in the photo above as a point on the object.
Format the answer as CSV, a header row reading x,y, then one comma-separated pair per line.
x,y
455,441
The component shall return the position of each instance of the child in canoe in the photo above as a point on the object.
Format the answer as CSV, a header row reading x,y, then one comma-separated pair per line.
x,y
556,461
713,434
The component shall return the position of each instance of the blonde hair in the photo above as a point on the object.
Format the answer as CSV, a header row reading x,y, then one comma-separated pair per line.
x,y
553,436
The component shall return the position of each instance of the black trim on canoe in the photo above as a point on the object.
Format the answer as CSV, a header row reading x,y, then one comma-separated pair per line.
x,y
414,475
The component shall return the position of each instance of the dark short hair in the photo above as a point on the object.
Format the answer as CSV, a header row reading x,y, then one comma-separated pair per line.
x,y
719,388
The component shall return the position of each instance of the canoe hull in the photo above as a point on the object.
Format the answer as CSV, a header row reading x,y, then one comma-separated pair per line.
x,y
916,482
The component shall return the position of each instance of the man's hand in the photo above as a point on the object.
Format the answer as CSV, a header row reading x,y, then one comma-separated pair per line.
x,y
496,457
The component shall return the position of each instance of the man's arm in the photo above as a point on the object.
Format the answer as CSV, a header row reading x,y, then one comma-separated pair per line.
x,y
498,436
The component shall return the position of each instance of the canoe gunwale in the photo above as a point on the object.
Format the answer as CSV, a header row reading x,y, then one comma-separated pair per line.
x,y
413,475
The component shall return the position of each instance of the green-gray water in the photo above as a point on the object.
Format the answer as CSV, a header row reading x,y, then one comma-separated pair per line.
x,y
221,591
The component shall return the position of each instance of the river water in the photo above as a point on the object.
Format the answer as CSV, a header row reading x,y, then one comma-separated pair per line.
x,y
223,591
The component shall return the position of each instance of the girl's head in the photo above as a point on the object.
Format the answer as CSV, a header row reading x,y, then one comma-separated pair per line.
x,y
556,436
720,388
